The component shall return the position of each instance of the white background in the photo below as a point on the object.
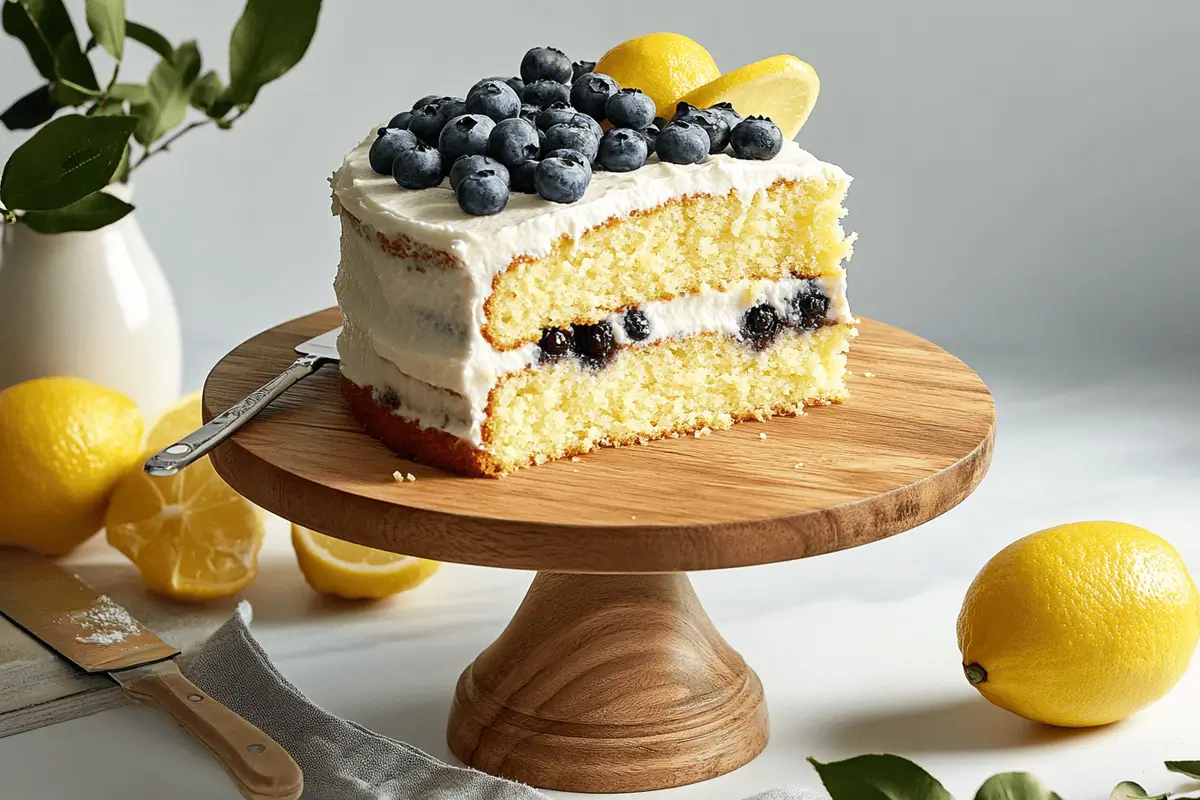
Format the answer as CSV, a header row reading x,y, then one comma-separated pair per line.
x,y
1026,194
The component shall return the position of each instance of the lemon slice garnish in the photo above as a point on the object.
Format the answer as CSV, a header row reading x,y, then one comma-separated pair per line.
x,y
783,88
355,572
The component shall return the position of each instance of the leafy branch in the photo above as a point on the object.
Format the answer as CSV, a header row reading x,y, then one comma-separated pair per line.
x,y
54,181
871,777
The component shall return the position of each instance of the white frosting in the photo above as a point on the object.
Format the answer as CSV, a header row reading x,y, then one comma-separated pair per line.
x,y
415,328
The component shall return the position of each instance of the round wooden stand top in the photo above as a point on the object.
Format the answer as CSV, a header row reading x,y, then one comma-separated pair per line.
x,y
912,442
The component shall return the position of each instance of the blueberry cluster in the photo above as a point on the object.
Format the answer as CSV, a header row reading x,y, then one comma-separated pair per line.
x,y
593,345
762,323
540,133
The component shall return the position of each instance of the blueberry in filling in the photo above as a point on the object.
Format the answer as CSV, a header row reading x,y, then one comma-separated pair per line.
x,y
637,326
760,325
594,344
808,307
555,343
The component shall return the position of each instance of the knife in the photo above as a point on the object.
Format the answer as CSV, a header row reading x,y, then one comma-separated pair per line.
x,y
314,354
98,636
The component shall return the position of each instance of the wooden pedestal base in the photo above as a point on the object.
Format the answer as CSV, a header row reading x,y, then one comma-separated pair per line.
x,y
609,683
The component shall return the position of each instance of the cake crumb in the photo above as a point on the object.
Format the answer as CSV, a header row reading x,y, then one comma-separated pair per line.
x,y
798,465
398,476
575,459
762,435
868,374
633,516
408,476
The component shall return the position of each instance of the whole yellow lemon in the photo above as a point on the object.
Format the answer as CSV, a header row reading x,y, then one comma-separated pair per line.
x,y
64,444
666,66
1081,624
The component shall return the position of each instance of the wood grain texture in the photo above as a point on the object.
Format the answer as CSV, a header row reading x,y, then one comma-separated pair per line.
x,y
609,683
912,442
261,769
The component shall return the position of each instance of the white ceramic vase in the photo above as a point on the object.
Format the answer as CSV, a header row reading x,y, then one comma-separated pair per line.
x,y
94,305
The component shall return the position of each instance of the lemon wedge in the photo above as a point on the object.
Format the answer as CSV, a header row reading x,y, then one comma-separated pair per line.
x,y
354,572
783,88
191,536
178,421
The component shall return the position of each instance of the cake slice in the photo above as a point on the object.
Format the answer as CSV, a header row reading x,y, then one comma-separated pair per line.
x,y
673,299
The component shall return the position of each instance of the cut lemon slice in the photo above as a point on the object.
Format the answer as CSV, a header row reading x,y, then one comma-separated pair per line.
x,y
178,421
191,536
355,572
783,88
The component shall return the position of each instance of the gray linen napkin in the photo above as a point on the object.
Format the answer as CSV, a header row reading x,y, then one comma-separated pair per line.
x,y
342,760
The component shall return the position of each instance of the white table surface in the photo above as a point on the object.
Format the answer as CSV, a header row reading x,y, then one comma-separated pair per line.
x,y
856,649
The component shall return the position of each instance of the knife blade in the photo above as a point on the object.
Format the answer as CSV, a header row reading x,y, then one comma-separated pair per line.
x,y
99,636
314,354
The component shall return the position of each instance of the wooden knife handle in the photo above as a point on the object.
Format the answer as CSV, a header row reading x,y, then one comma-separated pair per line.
x,y
261,768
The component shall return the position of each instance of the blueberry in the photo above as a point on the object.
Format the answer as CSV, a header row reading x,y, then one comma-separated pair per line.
x,y
427,123
546,63
731,117
808,308
580,68
560,181
650,134
590,121
426,100
418,167
575,157
573,136
554,344
622,150
465,135
516,84
483,193
530,112
385,147
756,138
684,111
636,324
715,126
682,142
545,93
630,108
594,344
760,325
494,99
400,120
659,122
465,166
591,92
513,141
451,107
555,114
522,177
542,149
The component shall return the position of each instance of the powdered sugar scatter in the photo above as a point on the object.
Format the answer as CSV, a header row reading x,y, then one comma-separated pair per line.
x,y
107,622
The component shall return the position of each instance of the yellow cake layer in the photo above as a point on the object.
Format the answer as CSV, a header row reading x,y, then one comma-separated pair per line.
x,y
676,385
791,228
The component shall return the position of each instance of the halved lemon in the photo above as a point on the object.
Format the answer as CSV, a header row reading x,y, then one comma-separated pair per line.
x,y
191,536
354,572
178,421
665,66
783,88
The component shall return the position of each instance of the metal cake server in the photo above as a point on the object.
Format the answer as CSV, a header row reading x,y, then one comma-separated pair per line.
x,y
100,637
314,354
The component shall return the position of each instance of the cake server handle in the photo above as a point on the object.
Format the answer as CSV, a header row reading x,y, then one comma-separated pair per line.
x,y
190,448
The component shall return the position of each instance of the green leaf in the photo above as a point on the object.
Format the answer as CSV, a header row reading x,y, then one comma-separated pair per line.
x,y
40,25
129,92
75,80
165,105
187,61
206,91
66,160
88,214
106,21
31,110
150,38
268,40
1188,768
878,777
1128,790
112,107
1013,786
121,173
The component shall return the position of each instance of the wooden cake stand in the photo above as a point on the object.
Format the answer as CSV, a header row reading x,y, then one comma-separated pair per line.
x,y
611,678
